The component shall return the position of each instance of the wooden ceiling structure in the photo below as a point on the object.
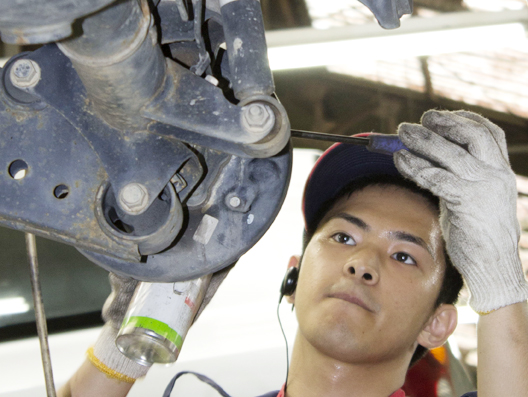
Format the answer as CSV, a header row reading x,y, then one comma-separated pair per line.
x,y
318,100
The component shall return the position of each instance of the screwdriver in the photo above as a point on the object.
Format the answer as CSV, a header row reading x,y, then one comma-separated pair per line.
x,y
385,144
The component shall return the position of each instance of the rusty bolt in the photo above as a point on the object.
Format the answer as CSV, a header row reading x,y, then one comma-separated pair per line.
x,y
134,198
258,118
25,73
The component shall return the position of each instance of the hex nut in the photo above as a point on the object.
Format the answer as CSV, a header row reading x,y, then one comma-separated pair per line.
x,y
25,73
258,118
134,198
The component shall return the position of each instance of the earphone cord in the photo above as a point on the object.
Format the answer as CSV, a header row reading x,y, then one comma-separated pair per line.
x,y
286,341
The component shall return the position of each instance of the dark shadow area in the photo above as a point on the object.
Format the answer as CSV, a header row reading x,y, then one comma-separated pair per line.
x,y
55,325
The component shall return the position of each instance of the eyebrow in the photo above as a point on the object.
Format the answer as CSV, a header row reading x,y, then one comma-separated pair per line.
x,y
351,219
395,235
403,236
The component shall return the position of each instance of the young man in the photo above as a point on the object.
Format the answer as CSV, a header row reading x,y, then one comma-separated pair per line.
x,y
375,281
372,276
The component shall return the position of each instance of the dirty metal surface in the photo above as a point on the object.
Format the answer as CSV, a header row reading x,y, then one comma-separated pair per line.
x,y
194,111
27,21
247,49
216,235
138,157
66,147
191,103
55,154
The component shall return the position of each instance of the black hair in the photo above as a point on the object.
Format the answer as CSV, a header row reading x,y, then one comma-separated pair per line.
x,y
452,282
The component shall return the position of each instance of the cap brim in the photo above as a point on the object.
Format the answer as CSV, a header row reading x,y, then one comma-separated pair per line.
x,y
340,165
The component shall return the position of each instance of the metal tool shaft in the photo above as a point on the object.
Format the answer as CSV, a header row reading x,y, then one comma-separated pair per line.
x,y
40,316
329,137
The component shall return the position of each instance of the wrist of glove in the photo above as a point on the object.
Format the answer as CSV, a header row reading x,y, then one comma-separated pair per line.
x,y
107,358
462,158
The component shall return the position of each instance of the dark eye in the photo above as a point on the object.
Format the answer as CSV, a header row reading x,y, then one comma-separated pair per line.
x,y
403,257
343,238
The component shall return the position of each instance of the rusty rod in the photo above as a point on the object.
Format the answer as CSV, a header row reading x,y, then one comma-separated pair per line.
x,y
40,316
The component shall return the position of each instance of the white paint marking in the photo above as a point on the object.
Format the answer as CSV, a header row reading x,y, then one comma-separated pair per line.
x,y
205,229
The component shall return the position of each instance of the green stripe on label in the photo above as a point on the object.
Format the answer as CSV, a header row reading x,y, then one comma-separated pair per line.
x,y
157,326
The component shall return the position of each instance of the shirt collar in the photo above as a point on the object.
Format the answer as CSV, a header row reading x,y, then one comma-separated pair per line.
x,y
397,393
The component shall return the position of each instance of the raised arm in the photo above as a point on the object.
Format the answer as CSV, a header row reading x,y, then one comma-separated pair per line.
x,y
462,158
88,381
106,372
503,352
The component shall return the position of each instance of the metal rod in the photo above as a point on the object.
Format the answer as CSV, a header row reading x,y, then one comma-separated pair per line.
x,y
40,316
318,136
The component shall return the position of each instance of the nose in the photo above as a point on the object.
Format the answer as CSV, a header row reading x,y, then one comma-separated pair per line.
x,y
364,268
367,275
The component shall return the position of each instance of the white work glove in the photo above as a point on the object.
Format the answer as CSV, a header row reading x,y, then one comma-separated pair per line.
x,y
105,355
462,158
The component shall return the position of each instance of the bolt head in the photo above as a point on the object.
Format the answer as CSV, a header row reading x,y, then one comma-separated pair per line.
x,y
234,202
25,73
134,198
258,118
257,114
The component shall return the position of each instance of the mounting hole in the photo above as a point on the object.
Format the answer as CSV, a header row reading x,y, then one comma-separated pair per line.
x,y
61,191
18,169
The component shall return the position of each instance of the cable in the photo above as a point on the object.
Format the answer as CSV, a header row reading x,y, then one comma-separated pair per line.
x,y
201,377
286,341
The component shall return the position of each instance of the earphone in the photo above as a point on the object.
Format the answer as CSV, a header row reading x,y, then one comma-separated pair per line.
x,y
289,283
288,286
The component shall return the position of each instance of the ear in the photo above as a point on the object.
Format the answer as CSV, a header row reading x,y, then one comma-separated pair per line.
x,y
439,327
293,262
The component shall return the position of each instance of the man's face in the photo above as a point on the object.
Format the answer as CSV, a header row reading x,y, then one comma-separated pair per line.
x,y
370,276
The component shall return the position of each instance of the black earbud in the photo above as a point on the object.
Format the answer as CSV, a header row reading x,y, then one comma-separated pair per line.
x,y
289,283
288,286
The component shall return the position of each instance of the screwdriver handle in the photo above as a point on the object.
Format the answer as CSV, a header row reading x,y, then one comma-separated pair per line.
x,y
385,144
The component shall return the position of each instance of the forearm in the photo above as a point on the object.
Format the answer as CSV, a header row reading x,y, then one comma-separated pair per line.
x,y
88,381
503,352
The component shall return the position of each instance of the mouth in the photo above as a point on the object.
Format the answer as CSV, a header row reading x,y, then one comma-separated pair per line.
x,y
351,299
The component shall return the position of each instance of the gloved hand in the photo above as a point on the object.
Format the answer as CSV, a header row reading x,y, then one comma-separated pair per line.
x,y
105,355
462,158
